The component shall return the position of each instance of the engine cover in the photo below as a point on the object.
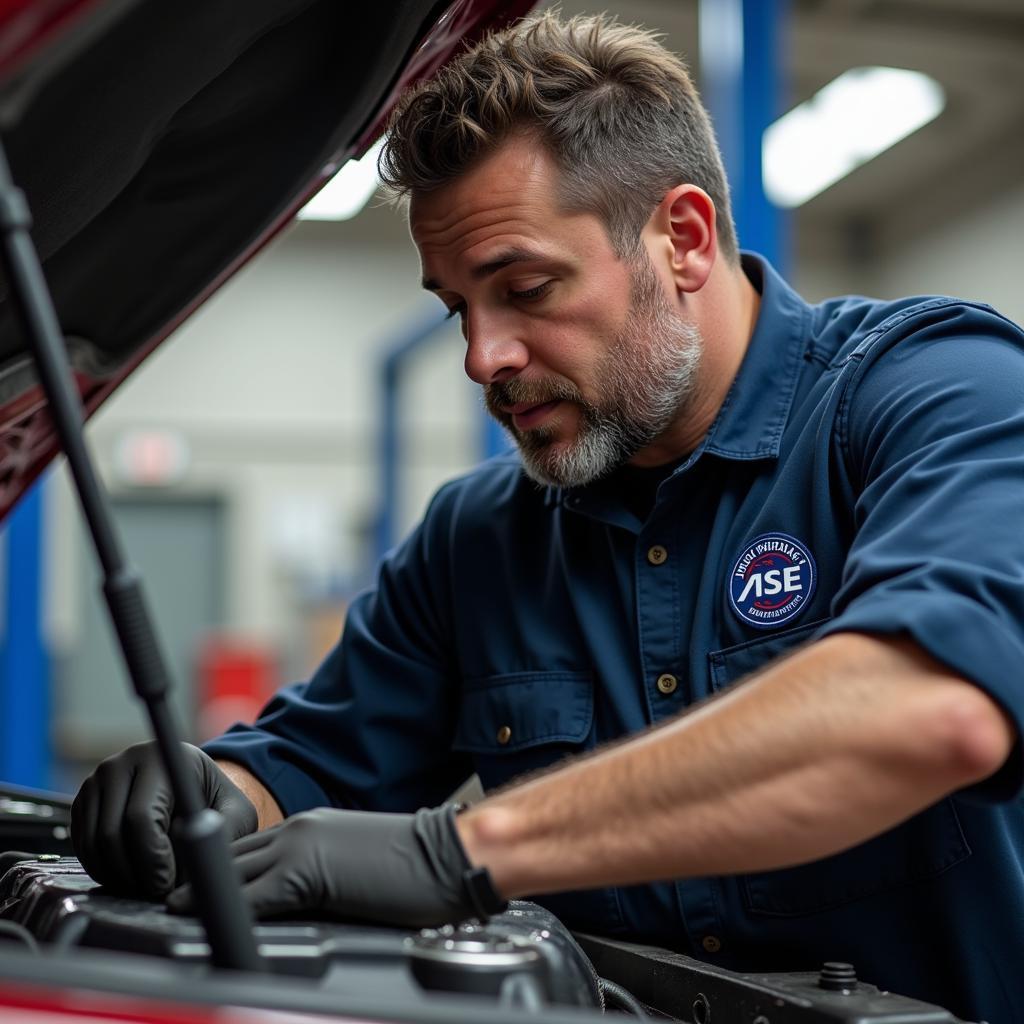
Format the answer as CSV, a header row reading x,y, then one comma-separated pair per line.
x,y
523,957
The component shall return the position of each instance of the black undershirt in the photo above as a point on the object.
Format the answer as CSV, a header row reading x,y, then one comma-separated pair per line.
x,y
638,486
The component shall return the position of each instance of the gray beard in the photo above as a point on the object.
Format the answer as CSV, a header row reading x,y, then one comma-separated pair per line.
x,y
647,379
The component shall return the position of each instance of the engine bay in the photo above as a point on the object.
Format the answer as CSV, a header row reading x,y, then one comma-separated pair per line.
x,y
523,963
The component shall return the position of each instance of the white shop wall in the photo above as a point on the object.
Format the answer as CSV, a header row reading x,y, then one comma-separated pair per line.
x,y
977,256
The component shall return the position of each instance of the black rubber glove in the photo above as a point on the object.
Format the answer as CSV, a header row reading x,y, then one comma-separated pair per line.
x,y
402,869
121,818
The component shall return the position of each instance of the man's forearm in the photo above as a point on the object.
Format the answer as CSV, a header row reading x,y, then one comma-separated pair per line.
x,y
267,809
820,752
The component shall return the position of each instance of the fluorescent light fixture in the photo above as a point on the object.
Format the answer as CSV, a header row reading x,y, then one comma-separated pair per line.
x,y
847,123
348,191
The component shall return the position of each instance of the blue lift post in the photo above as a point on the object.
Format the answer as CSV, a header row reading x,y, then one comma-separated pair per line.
x,y
492,440
396,354
24,664
741,80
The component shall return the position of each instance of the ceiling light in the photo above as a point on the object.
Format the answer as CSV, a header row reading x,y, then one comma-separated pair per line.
x,y
348,191
847,123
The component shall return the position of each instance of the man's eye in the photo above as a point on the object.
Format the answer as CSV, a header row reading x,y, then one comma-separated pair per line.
x,y
531,293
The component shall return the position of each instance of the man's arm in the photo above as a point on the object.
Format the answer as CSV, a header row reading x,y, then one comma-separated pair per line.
x,y
823,750
267,809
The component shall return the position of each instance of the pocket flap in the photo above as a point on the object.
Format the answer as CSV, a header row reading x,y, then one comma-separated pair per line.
x,y
524,709
733,663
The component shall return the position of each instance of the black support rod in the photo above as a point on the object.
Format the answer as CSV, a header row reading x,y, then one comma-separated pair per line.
x,y
199,832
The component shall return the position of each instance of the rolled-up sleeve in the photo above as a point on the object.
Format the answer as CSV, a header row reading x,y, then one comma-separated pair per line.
x,y
372,728
933,439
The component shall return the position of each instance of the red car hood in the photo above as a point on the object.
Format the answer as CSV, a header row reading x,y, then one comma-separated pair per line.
x,y
160,145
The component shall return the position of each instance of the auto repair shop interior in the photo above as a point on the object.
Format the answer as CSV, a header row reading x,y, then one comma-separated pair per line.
x,y
293,429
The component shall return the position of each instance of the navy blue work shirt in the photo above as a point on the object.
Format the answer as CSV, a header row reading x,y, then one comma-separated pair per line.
x,y
865,473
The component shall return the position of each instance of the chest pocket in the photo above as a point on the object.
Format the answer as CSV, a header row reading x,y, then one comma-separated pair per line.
x,y
517,723
734,663
919,849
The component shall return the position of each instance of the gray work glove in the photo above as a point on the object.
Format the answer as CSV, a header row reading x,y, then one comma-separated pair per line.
x,y
401,869
121,819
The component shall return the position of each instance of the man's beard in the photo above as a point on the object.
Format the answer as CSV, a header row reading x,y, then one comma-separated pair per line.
x,y
646,380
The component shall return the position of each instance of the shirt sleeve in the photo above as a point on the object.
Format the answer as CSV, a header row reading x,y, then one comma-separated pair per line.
x,y
372,729
934,443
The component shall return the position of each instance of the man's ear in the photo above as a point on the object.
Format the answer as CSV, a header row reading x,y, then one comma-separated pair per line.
x,y
682,229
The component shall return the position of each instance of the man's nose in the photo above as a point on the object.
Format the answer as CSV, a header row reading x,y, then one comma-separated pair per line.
x,y
494,351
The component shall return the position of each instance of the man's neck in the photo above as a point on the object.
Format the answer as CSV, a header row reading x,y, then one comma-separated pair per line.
x,y
725,312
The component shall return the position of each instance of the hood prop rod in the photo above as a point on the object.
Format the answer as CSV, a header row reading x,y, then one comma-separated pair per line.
x,y
199,832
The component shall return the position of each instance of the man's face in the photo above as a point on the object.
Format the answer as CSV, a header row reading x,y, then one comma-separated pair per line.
x,y
581,355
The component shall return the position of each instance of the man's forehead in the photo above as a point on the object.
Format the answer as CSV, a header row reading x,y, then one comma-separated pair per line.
x,y
504,210
512,184
478,228
486,235
466,221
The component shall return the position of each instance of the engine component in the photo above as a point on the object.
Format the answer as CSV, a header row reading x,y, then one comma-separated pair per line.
x,y
524,956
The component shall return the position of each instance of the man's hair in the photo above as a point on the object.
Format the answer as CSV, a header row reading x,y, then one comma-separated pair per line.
x,y
615,109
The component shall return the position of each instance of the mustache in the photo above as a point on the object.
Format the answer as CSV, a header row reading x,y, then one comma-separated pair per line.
x,y
517,391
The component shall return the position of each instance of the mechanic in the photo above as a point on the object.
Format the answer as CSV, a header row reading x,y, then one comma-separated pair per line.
x,y
716,483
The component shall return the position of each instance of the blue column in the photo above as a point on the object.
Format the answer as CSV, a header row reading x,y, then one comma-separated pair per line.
x,y
24,665
741,75
396,353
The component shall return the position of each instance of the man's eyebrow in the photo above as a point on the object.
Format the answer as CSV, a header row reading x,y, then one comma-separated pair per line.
x,y
504,259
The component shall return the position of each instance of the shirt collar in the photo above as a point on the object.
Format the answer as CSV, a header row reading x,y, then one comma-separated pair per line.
x,y
750,423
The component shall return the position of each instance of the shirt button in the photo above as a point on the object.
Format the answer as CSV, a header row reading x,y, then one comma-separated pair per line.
x,y
656,555
667,684
504,735
711,943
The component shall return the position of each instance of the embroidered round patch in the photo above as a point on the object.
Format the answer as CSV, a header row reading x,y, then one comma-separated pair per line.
x,y
772,580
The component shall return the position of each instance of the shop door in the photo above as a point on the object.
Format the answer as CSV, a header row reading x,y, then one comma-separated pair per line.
x,y
178,545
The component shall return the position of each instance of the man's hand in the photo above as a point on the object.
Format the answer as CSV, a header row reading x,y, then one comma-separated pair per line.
x,y
403,869
121,818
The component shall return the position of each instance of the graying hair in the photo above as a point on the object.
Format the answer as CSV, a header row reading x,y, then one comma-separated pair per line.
x,y
616,110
